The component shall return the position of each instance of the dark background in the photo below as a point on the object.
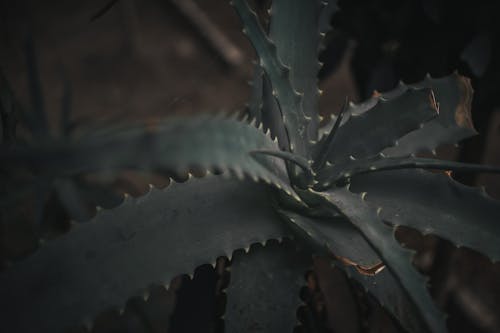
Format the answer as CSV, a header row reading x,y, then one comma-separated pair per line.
x,y
147,59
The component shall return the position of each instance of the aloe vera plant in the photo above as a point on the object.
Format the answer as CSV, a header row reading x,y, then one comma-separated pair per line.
x,y
340,189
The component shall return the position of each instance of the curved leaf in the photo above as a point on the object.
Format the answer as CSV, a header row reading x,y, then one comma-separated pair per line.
x,y
381,126
361,263
121,251
263,294
290,101
301,58
399,260
454,96
337,235
382,163
179,145
271,115
435,204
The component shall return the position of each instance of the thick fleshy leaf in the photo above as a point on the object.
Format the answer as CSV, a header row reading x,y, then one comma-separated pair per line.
x,y
336,235
178,145
435,204
290,101
263,294
301,58
122,251
454,96
361,263
383,163
272,119
398,260
384,287
381,126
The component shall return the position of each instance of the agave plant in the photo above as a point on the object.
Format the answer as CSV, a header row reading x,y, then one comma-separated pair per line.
x,y
340,189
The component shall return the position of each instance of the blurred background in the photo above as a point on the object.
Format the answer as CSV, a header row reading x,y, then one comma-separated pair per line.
x,y
131,60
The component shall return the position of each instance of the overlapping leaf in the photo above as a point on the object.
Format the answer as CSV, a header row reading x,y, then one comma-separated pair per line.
x,y
178,145
290,101
435,204
454,96
379,127
336,235
121,251
399,260
302,60
358,259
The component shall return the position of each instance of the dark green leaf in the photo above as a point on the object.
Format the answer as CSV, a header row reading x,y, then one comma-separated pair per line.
x,y
435,204
178,145
454,96
337,235
290,101
271,115
381,126
120,252
398,260
300,57
382,163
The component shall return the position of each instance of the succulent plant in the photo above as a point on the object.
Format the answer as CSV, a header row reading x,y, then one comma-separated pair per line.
x,y
340,189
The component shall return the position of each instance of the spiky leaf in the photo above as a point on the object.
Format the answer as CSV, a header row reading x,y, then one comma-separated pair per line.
x,y
336,235
121,251
454,96
361,263
399,260
271,115
435,204
301,58
289,100
380,127
179,145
